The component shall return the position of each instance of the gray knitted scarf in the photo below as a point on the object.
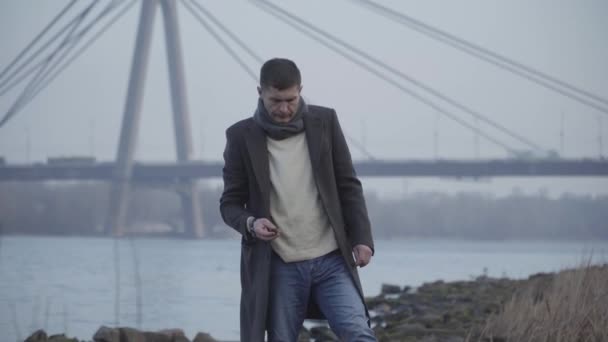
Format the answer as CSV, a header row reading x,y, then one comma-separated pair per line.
x,y
278,130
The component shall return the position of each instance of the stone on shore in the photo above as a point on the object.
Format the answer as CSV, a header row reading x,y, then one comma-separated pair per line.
x,y
390,289
126,334
203,337
41,336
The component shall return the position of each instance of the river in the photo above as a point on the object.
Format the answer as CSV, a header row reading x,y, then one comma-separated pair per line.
x,y
69,284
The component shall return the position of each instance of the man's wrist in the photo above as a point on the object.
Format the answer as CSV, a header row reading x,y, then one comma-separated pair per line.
x,y
250,228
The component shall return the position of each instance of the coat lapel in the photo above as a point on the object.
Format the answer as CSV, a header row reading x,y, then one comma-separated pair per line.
x,y
314,136
258,153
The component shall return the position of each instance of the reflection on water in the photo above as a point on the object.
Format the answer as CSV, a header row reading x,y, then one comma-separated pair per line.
x,y
69,284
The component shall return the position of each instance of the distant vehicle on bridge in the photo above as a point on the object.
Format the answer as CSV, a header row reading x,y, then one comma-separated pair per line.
x,y
533,155
71,160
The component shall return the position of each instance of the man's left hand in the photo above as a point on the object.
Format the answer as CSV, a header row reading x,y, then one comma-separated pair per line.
x,y
363,255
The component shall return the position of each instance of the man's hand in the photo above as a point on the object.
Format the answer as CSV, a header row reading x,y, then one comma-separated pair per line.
x,y
363,255
265,230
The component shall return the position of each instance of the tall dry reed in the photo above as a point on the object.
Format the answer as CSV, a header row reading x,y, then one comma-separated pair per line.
x,y
569,306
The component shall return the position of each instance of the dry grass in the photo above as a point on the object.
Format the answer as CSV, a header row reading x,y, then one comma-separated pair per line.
x,y
569,306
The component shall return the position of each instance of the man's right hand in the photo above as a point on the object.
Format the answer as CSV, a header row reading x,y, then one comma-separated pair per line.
x,y
265,230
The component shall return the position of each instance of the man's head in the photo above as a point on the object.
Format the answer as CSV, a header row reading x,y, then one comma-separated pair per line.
x,y
280,86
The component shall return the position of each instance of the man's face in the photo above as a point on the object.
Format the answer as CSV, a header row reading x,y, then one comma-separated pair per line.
x,y
281,104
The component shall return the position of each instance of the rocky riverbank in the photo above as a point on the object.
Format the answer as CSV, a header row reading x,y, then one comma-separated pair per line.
x,y
440,311
435,312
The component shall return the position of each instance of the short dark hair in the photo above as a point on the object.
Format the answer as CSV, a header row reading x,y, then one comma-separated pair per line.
x,y
280,73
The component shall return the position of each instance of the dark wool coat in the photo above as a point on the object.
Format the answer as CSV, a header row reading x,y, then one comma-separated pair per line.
x,y
247,193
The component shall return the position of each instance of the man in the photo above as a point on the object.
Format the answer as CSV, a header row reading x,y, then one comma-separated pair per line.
x,y
291,191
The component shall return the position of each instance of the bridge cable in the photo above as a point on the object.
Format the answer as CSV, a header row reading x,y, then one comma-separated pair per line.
x,y
408,78
283,17
71,40
62,50
227,31
235,56
56,36
75,40
221,41
84,47
23,97
496,59
37,38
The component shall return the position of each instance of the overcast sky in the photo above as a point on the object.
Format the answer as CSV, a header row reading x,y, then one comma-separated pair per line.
x,y
80,112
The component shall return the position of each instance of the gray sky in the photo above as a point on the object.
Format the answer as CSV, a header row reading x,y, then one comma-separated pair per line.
x,y
80,112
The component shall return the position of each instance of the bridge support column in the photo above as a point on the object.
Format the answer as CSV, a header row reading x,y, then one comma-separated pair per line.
x,y
190,197
120,190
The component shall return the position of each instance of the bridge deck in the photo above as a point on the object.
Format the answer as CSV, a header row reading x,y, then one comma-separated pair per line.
x,y
167,172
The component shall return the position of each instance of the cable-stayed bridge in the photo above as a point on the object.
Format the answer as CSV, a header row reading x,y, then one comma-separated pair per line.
x,y
48,55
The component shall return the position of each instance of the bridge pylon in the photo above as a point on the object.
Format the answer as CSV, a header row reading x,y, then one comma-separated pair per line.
x,y
121,184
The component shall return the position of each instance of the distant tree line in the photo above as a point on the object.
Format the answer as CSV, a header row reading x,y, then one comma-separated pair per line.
x,y
80,209
480,216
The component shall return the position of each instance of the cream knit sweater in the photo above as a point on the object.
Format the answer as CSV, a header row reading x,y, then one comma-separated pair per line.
x,y
295,204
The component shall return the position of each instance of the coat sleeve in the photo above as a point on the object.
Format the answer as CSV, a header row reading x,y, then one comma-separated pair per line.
x,y
350,191
233,201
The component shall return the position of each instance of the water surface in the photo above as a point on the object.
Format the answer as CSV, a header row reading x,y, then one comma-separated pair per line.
x,y
68,284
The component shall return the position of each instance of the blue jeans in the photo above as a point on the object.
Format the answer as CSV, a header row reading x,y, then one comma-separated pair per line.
x,y
331,286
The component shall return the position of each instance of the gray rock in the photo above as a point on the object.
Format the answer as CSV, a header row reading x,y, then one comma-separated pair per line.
x,y
203,337
176,335
172,332
38,335
430,339
61,338
126,334
154,336
453,339
430,320
106,334
390,289
131,335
